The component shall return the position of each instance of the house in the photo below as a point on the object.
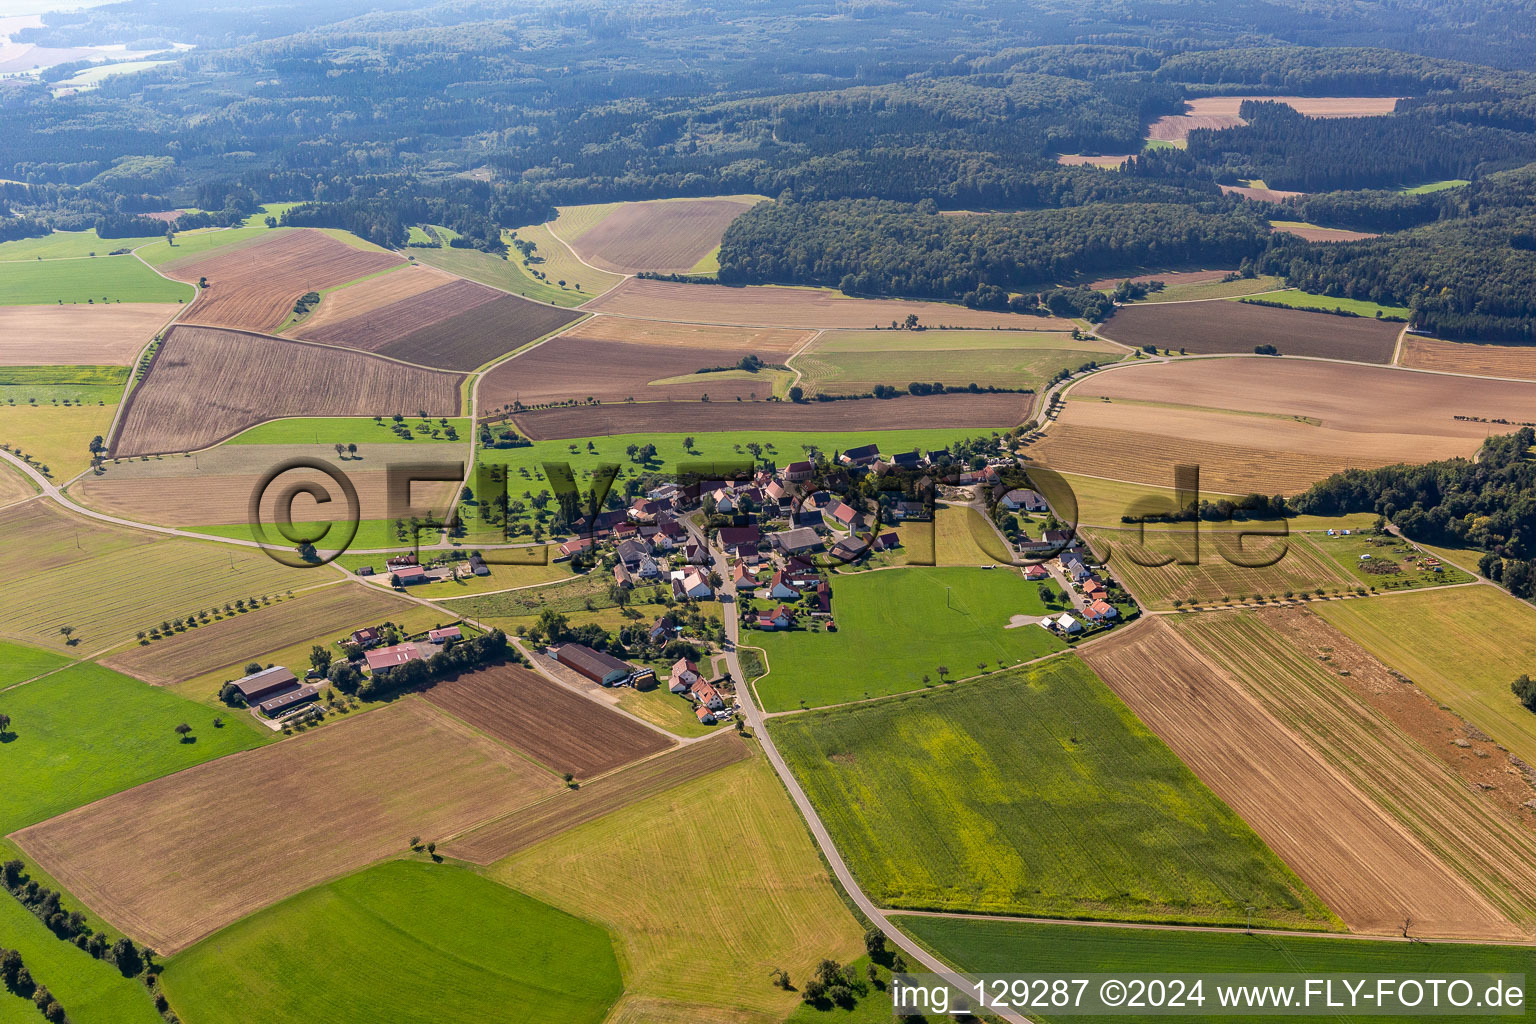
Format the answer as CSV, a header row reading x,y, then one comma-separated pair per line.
x,y
1100,611
691,584
1093,590
779,588
650,569
846,516
386,658
798,472
704,715
622,576
984,475
1059,538
741,577
780,618
777,493
906,460
805,516
631,551
661,629
1037,572
1074,568
694,553
572,547
796,541
369,636
365,570
684,674
707,696
1067,624
442,636
478,567
625,530
849,548
287,701
266,684
1023,498
645,511
800,568
725,501
860,456
603,669
409,576
821,599
399,562
909,510
885,540
739,539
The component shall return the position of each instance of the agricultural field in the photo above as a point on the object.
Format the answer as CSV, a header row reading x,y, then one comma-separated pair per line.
x,y
896,628
349,301
1298,299
14,485
87,732
502,273
759,897
203,241
556,262
249,635
54,385
959,411
1479,359
80,334
1256,190
19,663
253,284
573,807
559,729
771,306
771,344
1221,112
90,990
106,582
1384,562
1033,792
853,362
177,859
63,245
402,928
1000,946
57,437
1206,328
665,236
201,389
962,536
360,430
1318,233
1482,640
1275,734
106,280
1208,289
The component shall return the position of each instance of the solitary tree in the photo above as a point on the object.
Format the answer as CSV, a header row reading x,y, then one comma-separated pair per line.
x,y
68,631
5,724
182,730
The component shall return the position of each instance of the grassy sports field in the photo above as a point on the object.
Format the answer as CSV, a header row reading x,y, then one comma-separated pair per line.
x,y
90,990
401,929
1307,300
56,436
718,877
896,626
1002,946
88,732
67,245
104,279
18,663
1033,792
1462,646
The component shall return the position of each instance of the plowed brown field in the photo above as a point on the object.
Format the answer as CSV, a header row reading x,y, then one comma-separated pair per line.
x,y
502,838
366,296
1202,328
254,285
208,384
477,335
667,237
1483,360
376,329
79,335
756,305
181,857
959,411
1334,826
573,368
556,727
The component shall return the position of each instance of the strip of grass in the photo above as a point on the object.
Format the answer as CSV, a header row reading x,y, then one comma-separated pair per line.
x,y
420,944
90,990
18,663
1435,186
1037,792
1008,947
348,430
1298,299
896,626
67,245
104,279
24,385
88,732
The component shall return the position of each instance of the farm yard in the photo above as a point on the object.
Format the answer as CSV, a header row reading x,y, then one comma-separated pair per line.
x,y
554,726
962,412
116,582
403,927
1482,360
665,236
253,284
106,280
80,334
252,634
1033,792
853,362
772,306
348,302
1212,687
201,389
760,896
896,628
568,809
174,860
1207,328
1221,112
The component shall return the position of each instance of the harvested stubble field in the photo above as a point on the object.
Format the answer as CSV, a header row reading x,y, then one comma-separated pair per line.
x,y
1482,360
1221,112
253,284
767,306
555,260
772,344
561,730
118,581
957,411
369,295
183,856
249,635
1205,328
568,809
1316,232
566,368
1262,195
667,236
1211,706
1172,278
81,335
1033,792
208,384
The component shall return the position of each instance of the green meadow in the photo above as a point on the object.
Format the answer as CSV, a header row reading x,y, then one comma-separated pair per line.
x,y
90,384
1298,299
1436,186
67,245
897,626
1032,792
88,732
106,279
90,990
358,430
18,663
405,942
